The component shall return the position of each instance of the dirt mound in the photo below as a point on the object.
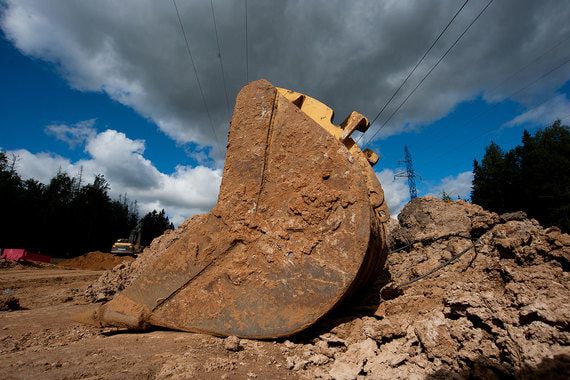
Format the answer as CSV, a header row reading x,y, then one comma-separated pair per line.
x,y
21,264
9,264
95,260
465,293
121,275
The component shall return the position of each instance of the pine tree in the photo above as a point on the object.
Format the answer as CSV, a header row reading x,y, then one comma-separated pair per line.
x,y
153,225
488,179
62,218
533,177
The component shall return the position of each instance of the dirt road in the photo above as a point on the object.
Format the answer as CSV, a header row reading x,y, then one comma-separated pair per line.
x,y
42,341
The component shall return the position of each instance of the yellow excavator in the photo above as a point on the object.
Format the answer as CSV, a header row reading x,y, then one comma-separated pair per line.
x,y
131,246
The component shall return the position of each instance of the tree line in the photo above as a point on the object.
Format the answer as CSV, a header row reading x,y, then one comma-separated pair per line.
x,y
66,217
533,177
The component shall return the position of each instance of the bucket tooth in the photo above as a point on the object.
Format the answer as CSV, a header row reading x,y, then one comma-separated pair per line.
x,y
353,122
371,156
296,229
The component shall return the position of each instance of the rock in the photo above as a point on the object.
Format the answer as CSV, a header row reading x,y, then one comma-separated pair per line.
x,y
322,347
318,359
384,329
332,339
101,297
289,344
345,370
295,363
349,364
9,303
500,310
517,215
232,343
427,218
556,236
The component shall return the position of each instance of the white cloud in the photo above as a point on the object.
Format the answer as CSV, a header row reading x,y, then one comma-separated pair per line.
x,y
395,191
186,192
72,135
122,159
40,166
134,52
556,108
456,186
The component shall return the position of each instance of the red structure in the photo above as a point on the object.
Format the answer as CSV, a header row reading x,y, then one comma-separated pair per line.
x,y
20,254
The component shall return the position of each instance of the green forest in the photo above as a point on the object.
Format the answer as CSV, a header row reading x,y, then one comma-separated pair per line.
x,y
533,177
66,218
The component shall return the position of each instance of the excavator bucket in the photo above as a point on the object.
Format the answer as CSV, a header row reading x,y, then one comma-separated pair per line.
x,y
298,227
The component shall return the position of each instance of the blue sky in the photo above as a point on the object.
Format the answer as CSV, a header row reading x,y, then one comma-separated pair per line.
x,y
110,88
35,95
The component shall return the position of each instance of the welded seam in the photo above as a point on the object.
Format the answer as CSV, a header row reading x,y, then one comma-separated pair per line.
x,y
266,152
184,285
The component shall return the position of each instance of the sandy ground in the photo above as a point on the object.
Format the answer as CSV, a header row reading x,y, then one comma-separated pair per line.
x,y
42,340
468,295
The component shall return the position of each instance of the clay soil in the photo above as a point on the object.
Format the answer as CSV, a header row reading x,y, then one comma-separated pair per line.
x,y
95,260
465,293
43,341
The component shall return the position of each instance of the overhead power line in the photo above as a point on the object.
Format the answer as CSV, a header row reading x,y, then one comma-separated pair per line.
x,y
486,111
246,48
419,62
494,88
196,74
486,132
493,129
220,57
536,59
430,71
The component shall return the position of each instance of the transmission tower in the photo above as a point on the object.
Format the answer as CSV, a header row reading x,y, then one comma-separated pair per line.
x,y
408,173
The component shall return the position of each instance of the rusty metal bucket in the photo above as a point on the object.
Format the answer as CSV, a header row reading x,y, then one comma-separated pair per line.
x,y
298,226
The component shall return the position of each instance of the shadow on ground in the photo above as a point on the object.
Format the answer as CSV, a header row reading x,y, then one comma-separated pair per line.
x,y
556,368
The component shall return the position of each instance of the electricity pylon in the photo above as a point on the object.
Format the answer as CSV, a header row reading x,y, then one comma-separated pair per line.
x,y
408,173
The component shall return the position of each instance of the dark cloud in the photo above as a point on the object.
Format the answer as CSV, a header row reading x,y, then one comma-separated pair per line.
x,y
349,54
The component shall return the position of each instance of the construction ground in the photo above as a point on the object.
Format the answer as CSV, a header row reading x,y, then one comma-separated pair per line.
x,y
464,293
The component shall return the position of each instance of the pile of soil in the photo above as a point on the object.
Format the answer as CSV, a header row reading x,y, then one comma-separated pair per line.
x,y
121,276
494,303
10,264
95,260
465,293
21,264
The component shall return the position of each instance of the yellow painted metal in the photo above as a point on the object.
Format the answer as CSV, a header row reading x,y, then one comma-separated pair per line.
x,y
323,115
319,112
